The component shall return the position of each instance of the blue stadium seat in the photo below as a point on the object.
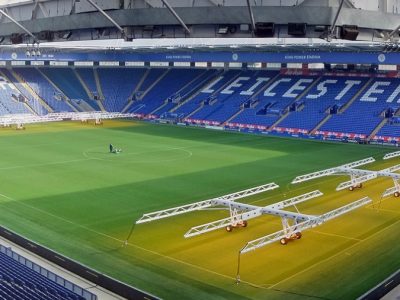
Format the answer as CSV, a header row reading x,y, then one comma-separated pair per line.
x,y
174,81
11,100
277,97
364,114
43,88
324,95
215,85
18,281
32,102
66,80
118,85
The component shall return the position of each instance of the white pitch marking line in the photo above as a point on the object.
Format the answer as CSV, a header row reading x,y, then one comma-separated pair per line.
x,y
337,254
376,203
46,164
325,233
383,209
337,235
190,154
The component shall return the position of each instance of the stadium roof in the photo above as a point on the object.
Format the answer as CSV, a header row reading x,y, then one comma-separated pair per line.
x,y
216,44
31,21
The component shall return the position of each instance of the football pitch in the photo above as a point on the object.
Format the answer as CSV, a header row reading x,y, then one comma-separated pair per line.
x,y
60,187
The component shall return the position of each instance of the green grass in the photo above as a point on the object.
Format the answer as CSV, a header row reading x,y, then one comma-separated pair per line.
x,y
61,188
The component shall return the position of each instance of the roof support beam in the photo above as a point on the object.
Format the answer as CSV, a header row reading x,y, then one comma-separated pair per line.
x,y
107,16
330,34
392,33
176,15
350,4
2,12
43,9
253,23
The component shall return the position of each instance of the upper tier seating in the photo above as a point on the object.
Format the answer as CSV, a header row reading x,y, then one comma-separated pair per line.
x,y
32,101
66,80
275,100
364,114
43,88
118,85
11,101
215,84
328,92
151,76
171,83
87,76
188,91
230,99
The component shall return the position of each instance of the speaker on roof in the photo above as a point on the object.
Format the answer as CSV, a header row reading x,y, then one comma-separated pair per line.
x,y
297,29
16,38
349,32
128,33
265,29
46,35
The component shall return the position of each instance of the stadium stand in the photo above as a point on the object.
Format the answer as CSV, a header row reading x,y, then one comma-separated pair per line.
x,y
118,86
150,77
170,83
327,97
12,102
390,130
23,279
87,76
186,92
44,89
230,100
66,80
33,103
321,103
364,115
207,94
274,102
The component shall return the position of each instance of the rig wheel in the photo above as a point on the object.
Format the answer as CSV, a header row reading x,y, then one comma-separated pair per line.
x,y
229,228
396,194
359,185
244,224
351,188
283,241
298,235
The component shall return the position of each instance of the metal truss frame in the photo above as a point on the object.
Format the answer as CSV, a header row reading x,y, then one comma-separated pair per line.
x,y
358,176
230,198
177,17
254,211
333,171
287,232
2,12
391,155
107,16
293,223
